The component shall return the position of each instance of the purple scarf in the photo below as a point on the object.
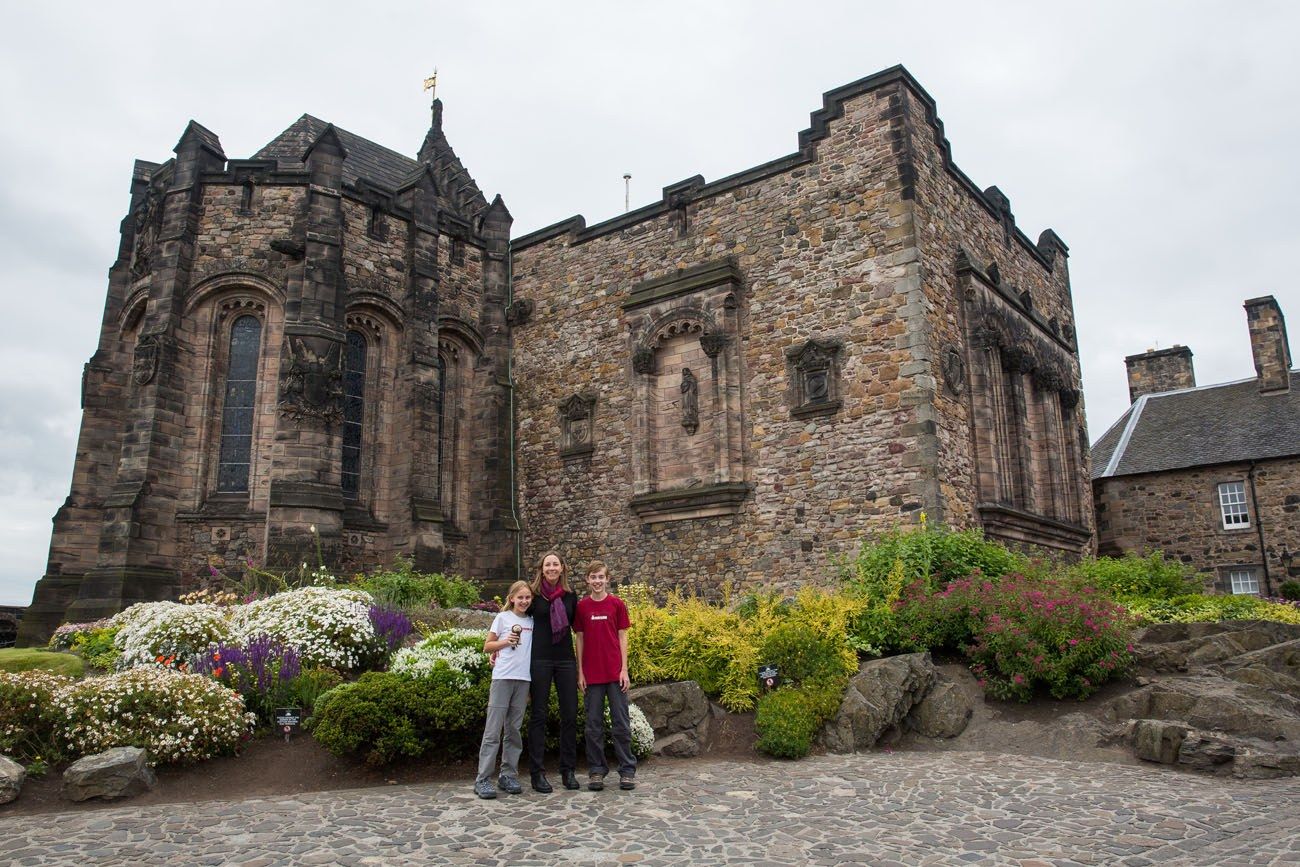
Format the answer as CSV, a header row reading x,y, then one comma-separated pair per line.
x,y
554,594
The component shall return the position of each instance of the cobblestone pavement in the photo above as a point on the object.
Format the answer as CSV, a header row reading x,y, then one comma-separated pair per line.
x,y
878,808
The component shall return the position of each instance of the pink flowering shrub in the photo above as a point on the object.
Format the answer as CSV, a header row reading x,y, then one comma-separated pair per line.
x,y
1020,633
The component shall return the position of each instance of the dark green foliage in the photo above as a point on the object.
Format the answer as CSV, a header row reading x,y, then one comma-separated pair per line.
x,y
384,717
803,655
1290,590
934,556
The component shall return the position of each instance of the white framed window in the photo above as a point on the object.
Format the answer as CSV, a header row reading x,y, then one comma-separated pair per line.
x,y
1232,505
1243,581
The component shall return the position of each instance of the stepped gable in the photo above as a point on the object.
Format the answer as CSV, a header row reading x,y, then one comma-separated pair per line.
x,y
1214,424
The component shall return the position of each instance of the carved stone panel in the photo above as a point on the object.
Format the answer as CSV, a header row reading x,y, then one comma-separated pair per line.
x,y
814,376
577,426
311,386
148,352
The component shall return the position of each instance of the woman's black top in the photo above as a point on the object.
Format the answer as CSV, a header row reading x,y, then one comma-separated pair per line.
x,y
543,646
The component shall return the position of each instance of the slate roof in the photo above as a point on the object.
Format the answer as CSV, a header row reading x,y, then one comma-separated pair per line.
x,y
1214,424
365,159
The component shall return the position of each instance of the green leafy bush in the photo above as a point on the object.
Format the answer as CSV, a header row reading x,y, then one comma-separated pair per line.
x,y
27,720
383,717
16,659
403,587
1290,590
1151,577
176,717
934,556
788,719
1203,608
98,647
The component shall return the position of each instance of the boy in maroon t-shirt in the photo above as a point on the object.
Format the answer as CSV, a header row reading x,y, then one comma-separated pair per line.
x,y
600,628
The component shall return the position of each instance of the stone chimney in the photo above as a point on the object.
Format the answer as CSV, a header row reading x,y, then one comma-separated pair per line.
x,y
1268,344
1158,370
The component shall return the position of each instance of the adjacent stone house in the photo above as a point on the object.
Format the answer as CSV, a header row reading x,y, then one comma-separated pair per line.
x,y
331,347
1210,474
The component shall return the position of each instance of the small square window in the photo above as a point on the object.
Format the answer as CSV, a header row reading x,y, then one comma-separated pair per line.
x,y
1232,505
1243,581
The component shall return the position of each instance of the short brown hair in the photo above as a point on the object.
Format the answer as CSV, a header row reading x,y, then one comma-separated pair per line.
x,y
595,566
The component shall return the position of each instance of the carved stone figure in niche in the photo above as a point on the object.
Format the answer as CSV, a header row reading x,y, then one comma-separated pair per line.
x,y
312,387
147,223
145,363
577,418
814,368
713,343
643,360
690,389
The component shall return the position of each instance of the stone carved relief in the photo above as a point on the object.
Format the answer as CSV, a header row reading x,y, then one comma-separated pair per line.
x,y
519,312
712,343
312,386
148,350
236,265
814,369
577,425
954,371
148,223
690,389
643,360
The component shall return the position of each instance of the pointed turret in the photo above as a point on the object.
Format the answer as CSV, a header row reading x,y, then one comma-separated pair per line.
x,y
454,183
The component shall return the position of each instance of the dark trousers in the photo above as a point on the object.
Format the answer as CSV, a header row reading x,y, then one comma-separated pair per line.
x,y
619,723
564,674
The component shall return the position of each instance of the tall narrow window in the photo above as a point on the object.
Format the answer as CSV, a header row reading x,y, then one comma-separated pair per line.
x,y
237,410
354,408
1232,505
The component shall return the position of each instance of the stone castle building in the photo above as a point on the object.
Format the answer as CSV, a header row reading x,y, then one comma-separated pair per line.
x,y
333,346
1209,475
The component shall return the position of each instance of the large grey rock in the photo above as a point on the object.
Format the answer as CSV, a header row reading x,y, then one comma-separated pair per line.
x,y
1157,740
1175,647
680,714
117,773
1213,704
878,699
944,712
12,776
1203,751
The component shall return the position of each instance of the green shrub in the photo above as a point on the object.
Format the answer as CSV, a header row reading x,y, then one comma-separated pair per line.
x,y
934,556
1290,590
98,647
1203,608
27,719
403,587
307,688
384,717
15,659
1130,576
788,719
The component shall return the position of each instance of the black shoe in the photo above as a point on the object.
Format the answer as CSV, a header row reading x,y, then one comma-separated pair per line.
x,y
509,784
570,779
540,783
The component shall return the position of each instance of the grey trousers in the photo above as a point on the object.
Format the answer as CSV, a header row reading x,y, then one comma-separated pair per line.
x,y
506,702
595,702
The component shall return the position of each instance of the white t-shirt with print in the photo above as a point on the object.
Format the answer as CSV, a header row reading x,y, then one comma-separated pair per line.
x,y
513,663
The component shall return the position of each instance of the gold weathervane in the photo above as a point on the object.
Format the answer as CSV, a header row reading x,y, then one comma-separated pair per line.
x,y
431,84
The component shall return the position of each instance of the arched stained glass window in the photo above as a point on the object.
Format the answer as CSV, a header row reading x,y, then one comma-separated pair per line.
x,y
237,409
354,387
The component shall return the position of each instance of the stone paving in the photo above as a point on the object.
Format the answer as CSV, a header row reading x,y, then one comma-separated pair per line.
x,y
879,808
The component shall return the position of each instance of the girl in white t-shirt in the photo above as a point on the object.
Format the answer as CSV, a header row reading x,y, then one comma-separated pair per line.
x,y
511,639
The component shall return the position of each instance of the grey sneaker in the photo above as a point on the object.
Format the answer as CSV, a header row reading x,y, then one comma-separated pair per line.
x,y
509,785
626,782
485,790
595,782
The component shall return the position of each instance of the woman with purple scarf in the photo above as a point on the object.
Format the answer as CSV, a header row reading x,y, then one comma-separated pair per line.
x,y
553,609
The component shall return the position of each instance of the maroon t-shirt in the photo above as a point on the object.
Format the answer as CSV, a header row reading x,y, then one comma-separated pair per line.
x,y
599,623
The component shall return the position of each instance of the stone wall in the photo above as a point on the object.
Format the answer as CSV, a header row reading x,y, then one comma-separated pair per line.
x,y
1177,512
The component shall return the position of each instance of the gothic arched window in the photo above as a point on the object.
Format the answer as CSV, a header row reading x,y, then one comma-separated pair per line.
x,y
238,406
354,410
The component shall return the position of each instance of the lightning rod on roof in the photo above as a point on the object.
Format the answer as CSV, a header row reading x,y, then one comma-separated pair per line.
x,y
627,192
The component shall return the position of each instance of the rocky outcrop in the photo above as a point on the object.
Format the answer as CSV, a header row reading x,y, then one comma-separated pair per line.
x,y
681,715
879,698
944,712
117,773
1177,647
12,776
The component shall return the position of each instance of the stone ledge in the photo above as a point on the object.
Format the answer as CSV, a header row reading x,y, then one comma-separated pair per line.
x,y
683,504
1007,523
807,410
683,282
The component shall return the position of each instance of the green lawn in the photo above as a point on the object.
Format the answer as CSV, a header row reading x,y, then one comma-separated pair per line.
x,y
25,659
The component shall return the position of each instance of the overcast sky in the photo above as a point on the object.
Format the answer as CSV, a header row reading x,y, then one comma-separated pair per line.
x,y
1157,139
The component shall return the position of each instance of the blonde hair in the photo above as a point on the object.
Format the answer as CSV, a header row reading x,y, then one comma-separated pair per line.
x,y
536,584
508,604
